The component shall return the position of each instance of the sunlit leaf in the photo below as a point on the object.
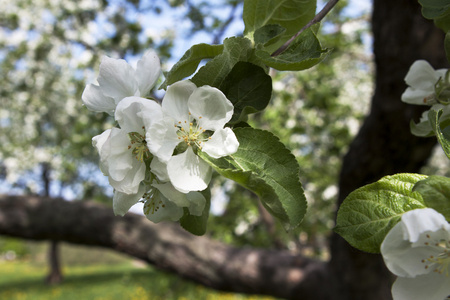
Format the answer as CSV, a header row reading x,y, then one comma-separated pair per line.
x,y
188,64
369,213
435,191
263,165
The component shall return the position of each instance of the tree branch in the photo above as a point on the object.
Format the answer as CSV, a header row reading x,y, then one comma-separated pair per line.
x,y
166,246
314,20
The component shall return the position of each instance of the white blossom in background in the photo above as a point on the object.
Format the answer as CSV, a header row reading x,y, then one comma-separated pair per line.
x,y
417,251
193,120
118,80
421,80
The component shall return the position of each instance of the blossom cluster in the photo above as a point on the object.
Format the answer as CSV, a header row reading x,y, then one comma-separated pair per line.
x,y
152,156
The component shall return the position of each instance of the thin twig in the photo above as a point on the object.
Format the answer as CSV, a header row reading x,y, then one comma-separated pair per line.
x,y
315,20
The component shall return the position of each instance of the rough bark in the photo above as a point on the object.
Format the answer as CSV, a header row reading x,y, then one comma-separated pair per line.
x,y
384,145
166,246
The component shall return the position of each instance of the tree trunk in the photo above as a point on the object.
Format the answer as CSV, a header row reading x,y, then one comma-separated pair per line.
x,y
384,144
55,274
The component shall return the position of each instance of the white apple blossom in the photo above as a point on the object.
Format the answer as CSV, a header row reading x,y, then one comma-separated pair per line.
x,y
123,150
193,120
417,250
118,80
426,86
421,79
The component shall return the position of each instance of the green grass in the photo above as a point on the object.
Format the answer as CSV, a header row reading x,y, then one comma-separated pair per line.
x,y
21,280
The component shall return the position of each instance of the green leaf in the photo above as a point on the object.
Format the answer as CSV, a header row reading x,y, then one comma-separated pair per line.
x,y
443,21
214,72
263,165
188,64
289,14
304,53
268,34
442,134
249,88
435,191
368,213
437,10
434,8
197,224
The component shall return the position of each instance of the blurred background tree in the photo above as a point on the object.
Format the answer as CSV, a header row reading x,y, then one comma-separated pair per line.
x,y
51,49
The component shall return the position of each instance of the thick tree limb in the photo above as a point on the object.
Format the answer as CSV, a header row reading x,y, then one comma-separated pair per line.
x,y
167,246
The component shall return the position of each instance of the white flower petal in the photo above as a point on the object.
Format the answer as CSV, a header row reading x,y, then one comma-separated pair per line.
x,y
99,140
172,194
162,139
222,143
422,75
159,209
419,221
212,106
148,71
117,162
433,286
393,248
114,152
416,96
159,168
134,113
130,183
176,98
197,203
94,100
116,79
188,172
123,202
